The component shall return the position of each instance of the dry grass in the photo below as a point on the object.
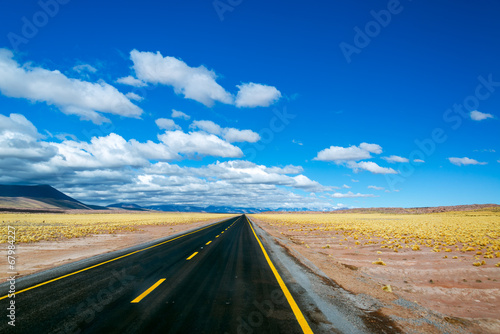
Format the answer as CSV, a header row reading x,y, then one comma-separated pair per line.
x,y
475,233
35,227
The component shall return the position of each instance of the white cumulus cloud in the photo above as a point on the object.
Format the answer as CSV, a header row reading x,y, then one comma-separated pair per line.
x,y
167,124
109,169
19,139
376,188
131,81
134,96
196,83
372,148
229,134
17,123
371,167
180,114
479,116
207,126
289,169
349,156
246,172
72,96
350,194
351,153
199,144
84,68
465,161
394,158
252,95
233,135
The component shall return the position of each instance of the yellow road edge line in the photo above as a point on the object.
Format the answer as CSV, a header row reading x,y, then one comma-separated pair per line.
x,y
295,308
192,255
145,293
108,261
208,243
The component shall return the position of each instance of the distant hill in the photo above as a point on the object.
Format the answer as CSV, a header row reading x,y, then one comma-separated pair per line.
x,y
126,206
209,209
39,197
420,210
216,209
417,210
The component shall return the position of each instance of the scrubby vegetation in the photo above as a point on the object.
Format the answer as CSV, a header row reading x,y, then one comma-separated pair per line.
x,y
475,233
36,227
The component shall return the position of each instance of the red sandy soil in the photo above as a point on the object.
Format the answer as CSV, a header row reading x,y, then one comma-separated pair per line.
x,y
460,292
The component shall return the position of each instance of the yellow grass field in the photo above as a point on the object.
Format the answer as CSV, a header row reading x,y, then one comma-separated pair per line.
x,y
476,233
35,227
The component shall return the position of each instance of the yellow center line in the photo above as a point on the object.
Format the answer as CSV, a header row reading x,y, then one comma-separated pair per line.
x,y
295,308
116,258
192,255
217,236
145,293
208,243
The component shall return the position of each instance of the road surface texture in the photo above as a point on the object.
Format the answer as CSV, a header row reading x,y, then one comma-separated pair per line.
x,y
215,279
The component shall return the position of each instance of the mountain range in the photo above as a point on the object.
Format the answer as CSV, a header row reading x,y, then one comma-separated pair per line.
x,y
37,197
40,198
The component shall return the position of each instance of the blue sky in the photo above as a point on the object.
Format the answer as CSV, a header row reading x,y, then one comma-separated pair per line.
x,y
318,105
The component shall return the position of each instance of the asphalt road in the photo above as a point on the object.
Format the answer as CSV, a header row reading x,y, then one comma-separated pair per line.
x,y
218,279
